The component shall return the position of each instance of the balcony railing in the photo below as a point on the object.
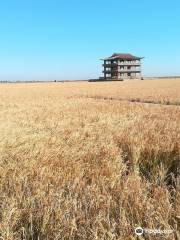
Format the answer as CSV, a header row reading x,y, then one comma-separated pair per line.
x,y
122,71
121,64
128,70
110,65
129,63
111,71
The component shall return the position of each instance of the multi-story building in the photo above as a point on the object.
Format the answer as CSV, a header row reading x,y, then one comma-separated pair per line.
x,y
122,66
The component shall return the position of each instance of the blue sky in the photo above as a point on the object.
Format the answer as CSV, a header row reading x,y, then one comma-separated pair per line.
x,y
61,39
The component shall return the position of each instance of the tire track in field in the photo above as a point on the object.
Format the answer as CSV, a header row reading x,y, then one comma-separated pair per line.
x,y
133,100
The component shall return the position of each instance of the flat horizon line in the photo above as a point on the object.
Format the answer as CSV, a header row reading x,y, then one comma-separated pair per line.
x,y
77,80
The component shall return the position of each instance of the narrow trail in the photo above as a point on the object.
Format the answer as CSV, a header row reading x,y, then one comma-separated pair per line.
x,y
167,103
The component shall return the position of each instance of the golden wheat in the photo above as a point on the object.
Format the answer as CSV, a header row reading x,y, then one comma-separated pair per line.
x,y
82,161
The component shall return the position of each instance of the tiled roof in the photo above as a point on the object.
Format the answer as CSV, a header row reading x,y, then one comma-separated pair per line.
x,y
124,56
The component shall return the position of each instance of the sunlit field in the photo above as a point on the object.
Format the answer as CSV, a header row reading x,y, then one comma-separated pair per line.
x,y
90,160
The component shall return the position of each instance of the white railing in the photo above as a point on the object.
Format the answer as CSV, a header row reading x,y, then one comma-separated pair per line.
x,y
130,70
128,63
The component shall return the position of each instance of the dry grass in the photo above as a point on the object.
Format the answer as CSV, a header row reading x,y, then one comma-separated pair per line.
x,y
77,162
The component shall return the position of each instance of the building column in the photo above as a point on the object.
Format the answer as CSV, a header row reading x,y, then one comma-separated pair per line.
x,y
104,69
140,74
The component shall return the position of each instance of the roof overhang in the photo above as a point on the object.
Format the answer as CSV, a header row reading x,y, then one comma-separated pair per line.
x,y
122,56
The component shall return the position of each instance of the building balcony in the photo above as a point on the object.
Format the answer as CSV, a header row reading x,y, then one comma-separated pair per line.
x,y
110,71
110,65
133,70
129,64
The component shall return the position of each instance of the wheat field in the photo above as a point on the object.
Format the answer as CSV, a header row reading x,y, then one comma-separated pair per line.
x,y
89,160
